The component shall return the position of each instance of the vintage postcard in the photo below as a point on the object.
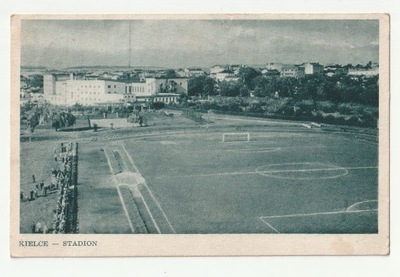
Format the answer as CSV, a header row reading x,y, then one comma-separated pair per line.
x,y
199,135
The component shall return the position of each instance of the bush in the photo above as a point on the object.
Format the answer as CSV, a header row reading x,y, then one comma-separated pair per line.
x,y
158,105
344,108
306,107
326,106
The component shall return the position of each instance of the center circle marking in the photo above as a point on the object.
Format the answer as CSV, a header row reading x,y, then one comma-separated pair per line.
x,y
302,171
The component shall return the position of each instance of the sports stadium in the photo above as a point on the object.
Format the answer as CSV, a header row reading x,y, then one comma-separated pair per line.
x,y
224,175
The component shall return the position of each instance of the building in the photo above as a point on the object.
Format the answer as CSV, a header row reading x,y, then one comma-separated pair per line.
x,y
312,68
66,90
167,98
59,91
271,73
217,69
156,90
168,85
274,66
134,90
367,72
193,72
225,75
292,71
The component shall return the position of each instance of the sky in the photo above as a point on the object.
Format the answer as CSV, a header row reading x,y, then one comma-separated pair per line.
x,y
60,44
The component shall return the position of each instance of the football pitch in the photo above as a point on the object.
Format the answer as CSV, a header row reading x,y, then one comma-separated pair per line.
x,y
278,182
278,179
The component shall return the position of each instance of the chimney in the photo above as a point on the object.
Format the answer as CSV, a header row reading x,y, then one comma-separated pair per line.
x,y
71,76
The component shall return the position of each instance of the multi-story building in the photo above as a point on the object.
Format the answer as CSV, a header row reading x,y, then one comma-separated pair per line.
x,y
312,68
61,91
64,90
157,90
292,71
270,73
225,75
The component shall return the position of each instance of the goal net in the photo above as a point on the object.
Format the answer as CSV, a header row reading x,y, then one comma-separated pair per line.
x,y
231,137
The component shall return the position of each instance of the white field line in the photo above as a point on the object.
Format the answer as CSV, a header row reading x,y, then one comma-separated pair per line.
x,y
152,218
173,149
316,169
150,192
265,172
269,225
254,150
141,196
207,175
236,141
263,218
369,142
355,139
316,214
119,193
367,135
355,204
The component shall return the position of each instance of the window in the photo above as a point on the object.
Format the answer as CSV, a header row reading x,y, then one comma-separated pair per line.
x,y
109,86
115,86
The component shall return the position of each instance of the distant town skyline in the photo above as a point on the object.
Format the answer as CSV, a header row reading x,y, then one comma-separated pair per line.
x,y
60,44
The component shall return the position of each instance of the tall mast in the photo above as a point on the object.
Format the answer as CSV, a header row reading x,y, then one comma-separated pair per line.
x,y
130,42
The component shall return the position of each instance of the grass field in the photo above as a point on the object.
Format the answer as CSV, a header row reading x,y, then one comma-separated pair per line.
x,y
286,179
278,182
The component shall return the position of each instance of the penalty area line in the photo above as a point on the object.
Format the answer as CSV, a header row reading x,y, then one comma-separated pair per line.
x,y
269,225
317,214
361,202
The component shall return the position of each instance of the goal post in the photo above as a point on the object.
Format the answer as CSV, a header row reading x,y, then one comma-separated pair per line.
x,y
234,137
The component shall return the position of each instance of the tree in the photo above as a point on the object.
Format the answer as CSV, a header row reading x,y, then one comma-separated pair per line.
x,y
264,87
201,86
244,91
247,74
33,121
170,73
183,98
231,89
371,95
35,81
62,119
